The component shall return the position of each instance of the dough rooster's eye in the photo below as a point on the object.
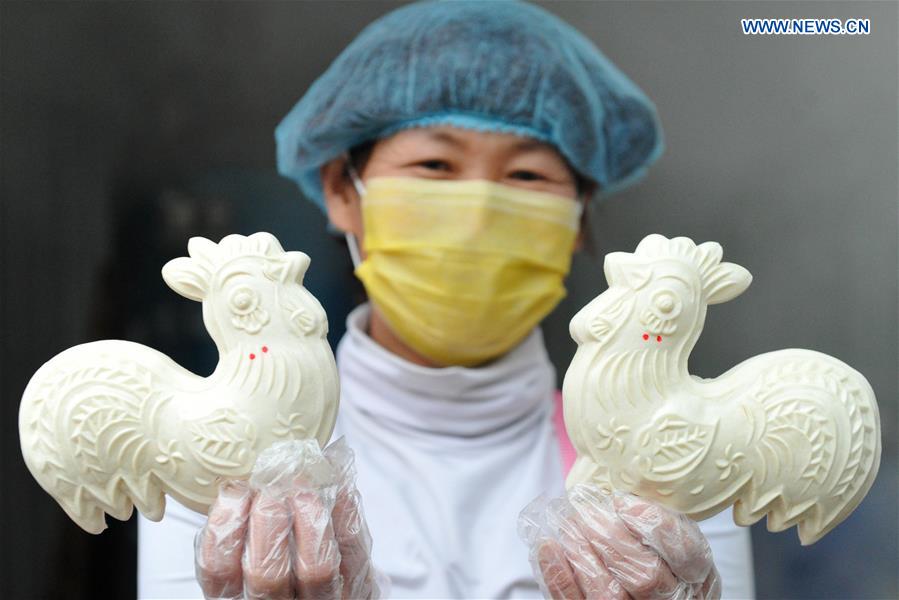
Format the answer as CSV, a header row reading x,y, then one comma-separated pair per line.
x,y
666,303
244,300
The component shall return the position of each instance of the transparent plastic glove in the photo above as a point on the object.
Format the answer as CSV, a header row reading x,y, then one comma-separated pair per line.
x,y
592,544
294,530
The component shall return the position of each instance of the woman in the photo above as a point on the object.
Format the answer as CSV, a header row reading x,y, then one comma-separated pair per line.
x,y
476,134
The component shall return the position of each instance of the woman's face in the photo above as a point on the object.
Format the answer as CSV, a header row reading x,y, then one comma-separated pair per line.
x,y
449,153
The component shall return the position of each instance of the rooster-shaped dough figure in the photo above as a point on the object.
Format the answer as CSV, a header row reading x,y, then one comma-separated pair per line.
x,y
793,433
110,423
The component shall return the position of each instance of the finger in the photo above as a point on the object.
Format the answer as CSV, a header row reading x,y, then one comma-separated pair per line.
x,y
266,563
220,543
593,577
675,537
639,569
711,587
354,543
317,560
556,572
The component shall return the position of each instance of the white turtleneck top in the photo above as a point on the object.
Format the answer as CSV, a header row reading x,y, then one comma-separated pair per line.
x,y
446,458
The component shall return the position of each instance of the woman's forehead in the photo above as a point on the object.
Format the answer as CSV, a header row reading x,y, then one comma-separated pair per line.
x,y
460,138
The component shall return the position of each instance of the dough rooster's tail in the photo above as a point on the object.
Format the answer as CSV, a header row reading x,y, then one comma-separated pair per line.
x,y
78,424
821,427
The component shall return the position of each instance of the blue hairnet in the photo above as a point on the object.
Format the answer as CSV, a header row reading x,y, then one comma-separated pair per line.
x,y
505,66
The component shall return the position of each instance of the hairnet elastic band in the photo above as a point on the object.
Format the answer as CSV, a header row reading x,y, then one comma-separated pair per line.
x,y
467,120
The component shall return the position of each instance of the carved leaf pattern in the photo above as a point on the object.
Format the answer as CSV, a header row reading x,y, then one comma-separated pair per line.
x,y
677,446
223,440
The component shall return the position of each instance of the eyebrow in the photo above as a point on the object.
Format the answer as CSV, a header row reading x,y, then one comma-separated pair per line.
x,y
524,144
529,144
442,136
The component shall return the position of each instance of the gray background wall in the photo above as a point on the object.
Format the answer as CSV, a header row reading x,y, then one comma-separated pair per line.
x,y
126,128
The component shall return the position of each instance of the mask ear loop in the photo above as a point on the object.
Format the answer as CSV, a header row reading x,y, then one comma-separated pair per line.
x,y
589,240
354,176
353,245
351,241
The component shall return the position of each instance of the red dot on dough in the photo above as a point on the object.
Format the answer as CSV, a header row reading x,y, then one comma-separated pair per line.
x,y
658,338
252,356
645,336
265,348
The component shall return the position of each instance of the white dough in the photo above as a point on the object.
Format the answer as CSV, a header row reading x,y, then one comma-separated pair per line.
x,y
110,423
794,433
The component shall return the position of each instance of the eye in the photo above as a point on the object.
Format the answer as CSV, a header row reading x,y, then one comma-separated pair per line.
x,y
666,303
434,165
526,175
243,300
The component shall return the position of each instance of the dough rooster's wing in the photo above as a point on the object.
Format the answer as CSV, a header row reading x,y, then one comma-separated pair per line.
x,y
222,442
672,447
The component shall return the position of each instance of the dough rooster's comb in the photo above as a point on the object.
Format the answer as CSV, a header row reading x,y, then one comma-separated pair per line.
x,y
794,434
112,424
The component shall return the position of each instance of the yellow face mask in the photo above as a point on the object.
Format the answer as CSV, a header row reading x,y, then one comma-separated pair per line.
x,y
463,270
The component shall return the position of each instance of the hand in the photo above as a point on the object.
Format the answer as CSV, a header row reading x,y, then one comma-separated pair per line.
x,y
610,546
294,530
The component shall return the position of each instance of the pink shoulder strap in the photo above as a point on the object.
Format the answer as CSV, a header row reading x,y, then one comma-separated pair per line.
x,y
565,447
